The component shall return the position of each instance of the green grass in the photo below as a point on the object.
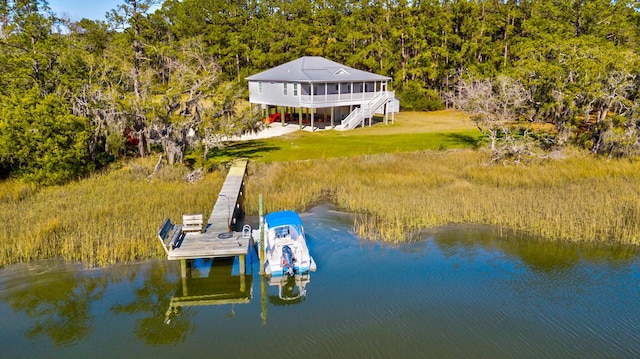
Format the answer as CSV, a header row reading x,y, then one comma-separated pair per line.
x,y
330,144
411,132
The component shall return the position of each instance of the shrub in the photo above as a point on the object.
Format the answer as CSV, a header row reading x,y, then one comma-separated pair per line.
x,y
415,97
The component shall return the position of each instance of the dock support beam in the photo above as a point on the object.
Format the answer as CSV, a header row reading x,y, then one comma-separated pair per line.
x,y
241,261
263,301
183,268
243,285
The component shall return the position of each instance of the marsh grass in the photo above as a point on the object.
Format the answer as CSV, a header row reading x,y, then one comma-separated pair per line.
x,y
106,219
397,195
401,183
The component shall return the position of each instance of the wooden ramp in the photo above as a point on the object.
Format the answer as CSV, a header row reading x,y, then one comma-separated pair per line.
x,y
222,216
217,240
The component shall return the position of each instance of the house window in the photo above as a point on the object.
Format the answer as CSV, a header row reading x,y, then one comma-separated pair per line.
x,y
295,89
259,87
284,89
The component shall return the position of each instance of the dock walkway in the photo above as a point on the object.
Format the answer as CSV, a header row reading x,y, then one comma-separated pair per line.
x,y
217,239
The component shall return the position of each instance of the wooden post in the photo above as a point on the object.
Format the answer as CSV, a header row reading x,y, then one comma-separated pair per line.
x,y
242,264
312,110
183,268
262,249
263,300
324,117
243,283
300,117
243,272
333,110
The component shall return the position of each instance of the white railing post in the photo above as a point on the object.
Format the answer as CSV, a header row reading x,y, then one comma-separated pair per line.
x,y
355,117
359,114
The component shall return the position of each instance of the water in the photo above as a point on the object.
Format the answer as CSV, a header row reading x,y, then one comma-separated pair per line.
x,y
461,292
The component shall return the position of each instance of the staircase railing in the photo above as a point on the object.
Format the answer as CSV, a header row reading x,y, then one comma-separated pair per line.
x,y
359,114
354,119
375,103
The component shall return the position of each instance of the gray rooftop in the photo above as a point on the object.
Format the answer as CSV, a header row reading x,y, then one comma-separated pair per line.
x,y
315,69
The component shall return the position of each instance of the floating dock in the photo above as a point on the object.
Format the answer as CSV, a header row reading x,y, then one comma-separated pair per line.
x,y
218,237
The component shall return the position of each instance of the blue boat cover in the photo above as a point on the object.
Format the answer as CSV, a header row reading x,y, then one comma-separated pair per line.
x,y
282,218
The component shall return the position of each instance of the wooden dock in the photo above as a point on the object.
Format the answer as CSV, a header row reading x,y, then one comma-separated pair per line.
x,y
218,238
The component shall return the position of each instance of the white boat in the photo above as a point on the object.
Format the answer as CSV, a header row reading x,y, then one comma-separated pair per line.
x,y
286,251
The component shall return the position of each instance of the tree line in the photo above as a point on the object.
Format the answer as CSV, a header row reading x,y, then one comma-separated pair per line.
x,y
169,76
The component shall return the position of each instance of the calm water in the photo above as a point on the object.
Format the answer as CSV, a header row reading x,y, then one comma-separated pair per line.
x,y
460,292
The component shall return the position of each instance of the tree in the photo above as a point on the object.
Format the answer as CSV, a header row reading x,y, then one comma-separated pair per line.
x,y
130,18
193,78
28,46
493,105
41,141
579,83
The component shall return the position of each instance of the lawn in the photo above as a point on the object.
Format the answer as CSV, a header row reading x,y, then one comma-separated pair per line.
x,y
412,131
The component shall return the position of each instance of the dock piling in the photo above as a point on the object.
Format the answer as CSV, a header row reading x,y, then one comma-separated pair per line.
x,y
261,253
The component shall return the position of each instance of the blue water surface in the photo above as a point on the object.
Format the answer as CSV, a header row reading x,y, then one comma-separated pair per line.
x,y
459,292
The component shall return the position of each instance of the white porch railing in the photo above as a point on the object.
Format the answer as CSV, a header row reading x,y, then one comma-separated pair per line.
x,y
337,98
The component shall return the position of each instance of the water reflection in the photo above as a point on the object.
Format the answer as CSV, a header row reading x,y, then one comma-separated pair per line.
x,y
217,282
291,289
210,282
148,307
539,255
454,294
57,301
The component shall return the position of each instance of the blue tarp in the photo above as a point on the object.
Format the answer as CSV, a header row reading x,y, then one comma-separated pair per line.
x,y
282,218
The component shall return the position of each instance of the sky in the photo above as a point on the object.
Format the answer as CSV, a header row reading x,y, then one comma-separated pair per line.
x,y
78,9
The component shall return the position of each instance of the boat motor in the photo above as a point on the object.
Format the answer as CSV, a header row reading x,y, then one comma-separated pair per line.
x,y
287,260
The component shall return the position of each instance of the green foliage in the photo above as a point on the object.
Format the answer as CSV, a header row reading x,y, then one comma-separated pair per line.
x,y
41,141
162,76
415,97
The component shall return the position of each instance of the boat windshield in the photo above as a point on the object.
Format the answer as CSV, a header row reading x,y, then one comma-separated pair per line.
x,y
285,232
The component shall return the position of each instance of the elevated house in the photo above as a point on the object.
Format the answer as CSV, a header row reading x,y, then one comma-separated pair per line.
x,y
319,92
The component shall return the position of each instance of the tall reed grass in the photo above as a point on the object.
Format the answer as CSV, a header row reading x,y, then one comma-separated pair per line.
x,y
114,217
575,199
109,218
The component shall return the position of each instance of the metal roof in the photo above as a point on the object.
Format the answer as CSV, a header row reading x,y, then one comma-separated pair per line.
x,y
315,69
